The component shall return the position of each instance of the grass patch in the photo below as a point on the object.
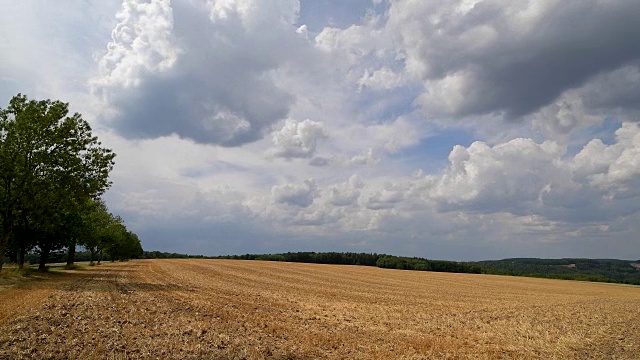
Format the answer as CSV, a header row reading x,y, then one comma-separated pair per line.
x,y
9,272
12,275
61,267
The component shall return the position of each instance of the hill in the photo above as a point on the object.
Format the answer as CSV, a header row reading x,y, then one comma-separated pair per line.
x,y
607,270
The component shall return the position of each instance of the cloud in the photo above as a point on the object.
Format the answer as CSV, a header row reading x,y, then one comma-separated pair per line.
x,y
381,79
300,195
347,193
612,93
297,139
386,198
500,177
365,158
319,161
523,178
511,58
199,71
141,44
364,106
611,166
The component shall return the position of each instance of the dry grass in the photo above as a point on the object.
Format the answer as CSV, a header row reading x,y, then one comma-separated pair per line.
x,y
224,309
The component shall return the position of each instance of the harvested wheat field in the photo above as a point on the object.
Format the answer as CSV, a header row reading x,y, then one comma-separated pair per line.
x,y
225,309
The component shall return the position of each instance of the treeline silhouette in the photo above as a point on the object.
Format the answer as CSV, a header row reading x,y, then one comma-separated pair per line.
x,y
366,259
61,256
168,255
600,270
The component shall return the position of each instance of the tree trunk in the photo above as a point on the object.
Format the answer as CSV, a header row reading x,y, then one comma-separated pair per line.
x,y
71,253
44,256
22,246
6,233
92,252
21,252
100,258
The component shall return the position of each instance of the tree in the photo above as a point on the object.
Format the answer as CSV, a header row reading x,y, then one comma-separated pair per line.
x,y
99,228
124,245
49,163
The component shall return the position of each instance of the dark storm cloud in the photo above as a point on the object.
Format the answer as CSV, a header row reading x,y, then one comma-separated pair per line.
x,y
616,90
216,88
514,58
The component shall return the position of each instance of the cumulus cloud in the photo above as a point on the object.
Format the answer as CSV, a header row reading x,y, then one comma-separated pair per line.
x,y
386,198
381,79
300,195
297,139
347,193
141,43
512,58
499,177
611,165
365,158
199,71
523,178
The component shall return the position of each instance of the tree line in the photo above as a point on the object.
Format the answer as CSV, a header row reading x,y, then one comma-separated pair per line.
x,y
366,259
53,171
599,270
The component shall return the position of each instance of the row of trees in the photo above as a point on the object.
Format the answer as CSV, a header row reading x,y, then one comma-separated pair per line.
x,y
405,263
602,270
52,174
609,270
366,259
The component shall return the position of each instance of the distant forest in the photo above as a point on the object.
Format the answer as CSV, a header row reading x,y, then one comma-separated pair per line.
x,y
599,270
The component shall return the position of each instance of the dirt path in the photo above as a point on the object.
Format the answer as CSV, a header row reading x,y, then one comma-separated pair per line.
x,y
218,309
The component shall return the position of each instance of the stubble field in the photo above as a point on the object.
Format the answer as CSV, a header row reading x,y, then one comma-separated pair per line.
x,y
225,309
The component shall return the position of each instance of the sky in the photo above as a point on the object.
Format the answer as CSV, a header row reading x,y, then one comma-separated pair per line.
x,y
458,129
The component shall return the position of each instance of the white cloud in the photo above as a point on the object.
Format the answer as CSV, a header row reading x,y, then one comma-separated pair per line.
x,y
255,14
381,79
300,195
523,178
611,165
365,158
297,139
386,198
347,193
499,177
141,43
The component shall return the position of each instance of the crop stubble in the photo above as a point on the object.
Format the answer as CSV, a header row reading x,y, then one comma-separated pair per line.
x,y
225,309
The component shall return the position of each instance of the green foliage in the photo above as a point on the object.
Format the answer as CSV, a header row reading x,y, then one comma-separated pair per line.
x,y
124,246
420,264
167,255
51,169
313,257
366,259
602,270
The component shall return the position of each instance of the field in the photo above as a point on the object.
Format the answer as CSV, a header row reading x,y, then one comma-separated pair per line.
x,y
225,309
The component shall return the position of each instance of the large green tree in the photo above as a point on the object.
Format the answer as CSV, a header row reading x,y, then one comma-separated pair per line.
x,y
49,163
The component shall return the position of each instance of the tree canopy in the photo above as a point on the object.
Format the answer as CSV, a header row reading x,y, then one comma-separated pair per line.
x,y
51,168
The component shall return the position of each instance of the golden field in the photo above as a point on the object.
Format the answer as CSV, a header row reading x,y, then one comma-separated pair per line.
x,y
226,309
